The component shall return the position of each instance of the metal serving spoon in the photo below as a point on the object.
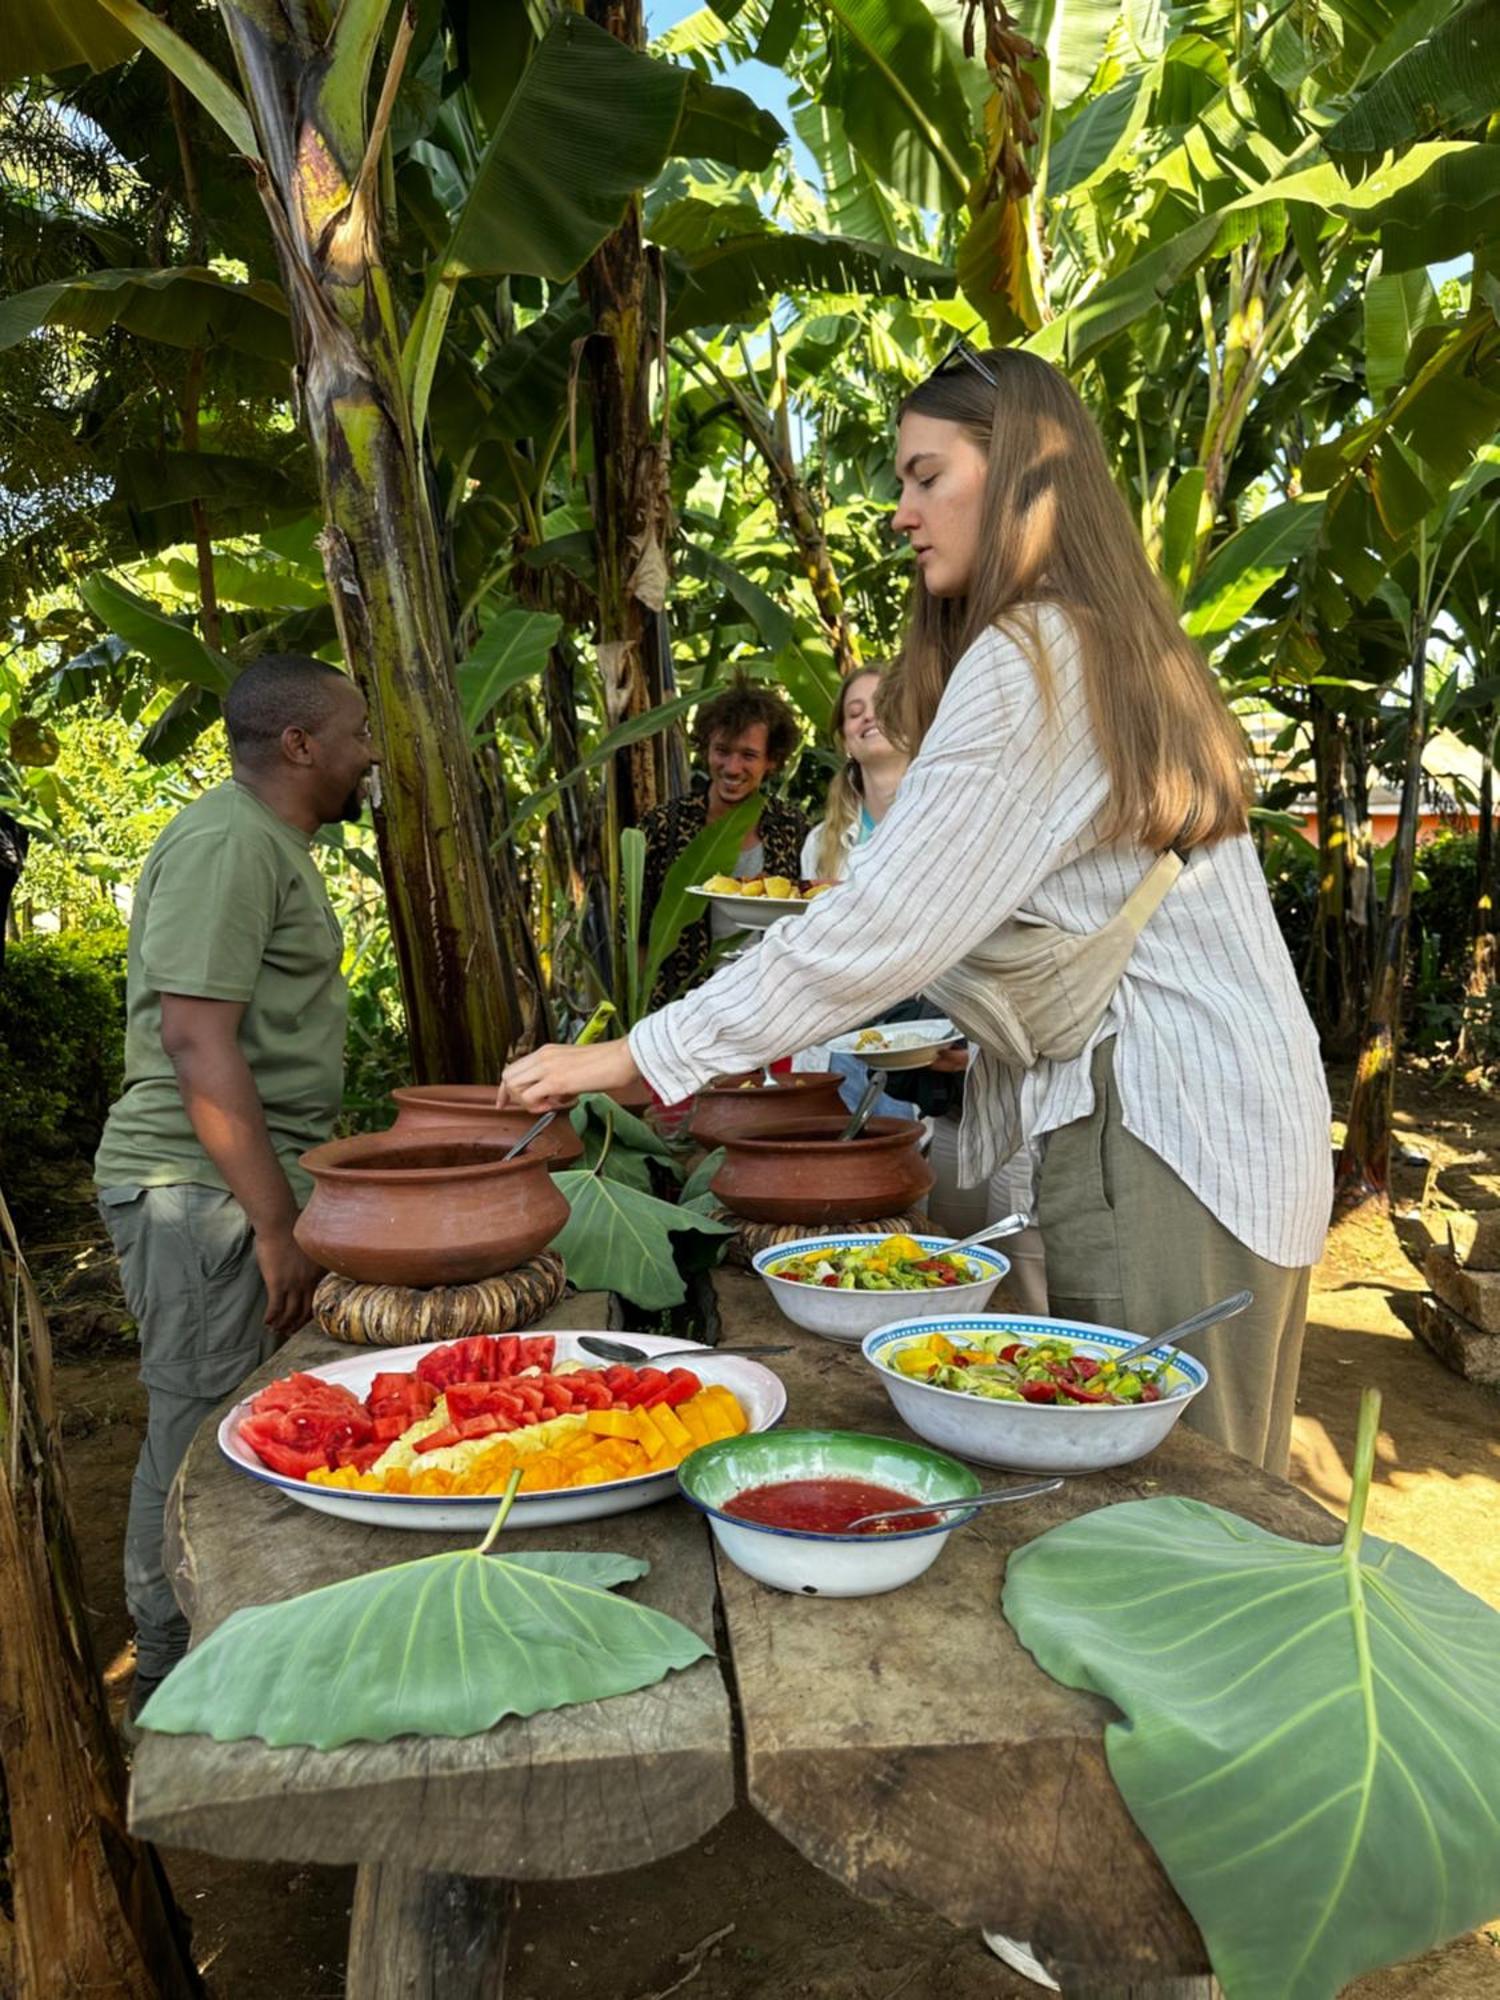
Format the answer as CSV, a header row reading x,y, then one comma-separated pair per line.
x,y
532,1132
621,1350
1031,1491
1185,1329
1010,1225
863,1109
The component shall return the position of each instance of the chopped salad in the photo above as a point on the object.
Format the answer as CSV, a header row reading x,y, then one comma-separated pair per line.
x,y
1006,1370
885,1264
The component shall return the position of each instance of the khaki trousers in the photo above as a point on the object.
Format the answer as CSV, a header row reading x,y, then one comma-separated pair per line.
x,y
961,1211
1128,1245
188,1269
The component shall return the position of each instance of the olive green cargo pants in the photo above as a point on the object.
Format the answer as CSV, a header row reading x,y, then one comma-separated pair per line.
x,y
1129,1245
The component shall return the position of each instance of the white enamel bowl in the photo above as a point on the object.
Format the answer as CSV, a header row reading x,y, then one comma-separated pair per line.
x,y
760,1394
849,1316
1033,1437
818,1565
752,913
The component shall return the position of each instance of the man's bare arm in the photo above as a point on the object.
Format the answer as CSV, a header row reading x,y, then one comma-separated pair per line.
x,y
201,1038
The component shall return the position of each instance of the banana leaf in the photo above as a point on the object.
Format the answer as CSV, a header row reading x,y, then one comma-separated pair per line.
x,y
1310,1736
444,1646
711,852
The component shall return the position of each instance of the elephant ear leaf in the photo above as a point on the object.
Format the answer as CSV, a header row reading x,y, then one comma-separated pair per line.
x,y
445,1646
1311,1735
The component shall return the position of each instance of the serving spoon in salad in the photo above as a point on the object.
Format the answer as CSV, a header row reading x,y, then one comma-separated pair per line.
x,y
1198,1322
1032,1490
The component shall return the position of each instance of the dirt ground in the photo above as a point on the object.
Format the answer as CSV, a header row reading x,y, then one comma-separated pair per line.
x,y
741,1916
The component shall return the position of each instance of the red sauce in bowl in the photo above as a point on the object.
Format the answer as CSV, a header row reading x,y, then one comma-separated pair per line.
x,y
825,1506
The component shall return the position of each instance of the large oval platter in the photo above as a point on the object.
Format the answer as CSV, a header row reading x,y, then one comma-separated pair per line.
x,y
760,1394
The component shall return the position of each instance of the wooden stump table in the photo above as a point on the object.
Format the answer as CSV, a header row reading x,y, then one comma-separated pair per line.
x,y
438,1827
910,1746
905,1744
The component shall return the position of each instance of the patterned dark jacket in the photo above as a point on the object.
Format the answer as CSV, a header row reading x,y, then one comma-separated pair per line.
x,y
669,829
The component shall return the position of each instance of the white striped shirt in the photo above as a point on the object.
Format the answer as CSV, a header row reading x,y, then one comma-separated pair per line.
x,y
1216,1059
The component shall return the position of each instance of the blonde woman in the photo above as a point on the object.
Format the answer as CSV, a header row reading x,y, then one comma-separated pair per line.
x,y
866,783
1064,733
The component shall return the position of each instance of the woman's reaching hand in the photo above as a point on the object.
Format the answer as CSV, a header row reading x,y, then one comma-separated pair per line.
x,y
559,1073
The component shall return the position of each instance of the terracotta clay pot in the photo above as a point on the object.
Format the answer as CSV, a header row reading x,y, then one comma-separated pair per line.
x,y
804,1172
388,1209
442,1110
634,1097
735,1110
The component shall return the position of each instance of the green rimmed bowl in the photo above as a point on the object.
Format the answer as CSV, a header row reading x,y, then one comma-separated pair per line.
x,y
820,1565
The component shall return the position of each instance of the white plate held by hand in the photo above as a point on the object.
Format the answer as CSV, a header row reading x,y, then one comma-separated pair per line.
x,y
901,1044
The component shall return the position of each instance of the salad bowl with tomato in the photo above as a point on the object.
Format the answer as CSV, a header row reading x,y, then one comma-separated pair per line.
x,y
370,1438
1034,1394
844,1287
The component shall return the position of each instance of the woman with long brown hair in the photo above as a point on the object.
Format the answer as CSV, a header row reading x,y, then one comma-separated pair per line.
x,y
1069,859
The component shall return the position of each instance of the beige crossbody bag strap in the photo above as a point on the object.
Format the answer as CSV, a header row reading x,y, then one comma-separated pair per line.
x,y
1143,901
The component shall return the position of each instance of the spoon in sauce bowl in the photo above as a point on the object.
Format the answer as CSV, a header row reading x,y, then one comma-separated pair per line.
x,y
1032,1490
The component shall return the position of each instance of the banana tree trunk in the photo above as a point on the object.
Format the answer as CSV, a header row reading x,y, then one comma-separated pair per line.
x,y
1482,958
623,288
1363,1173
469,995
92,1909
1341,948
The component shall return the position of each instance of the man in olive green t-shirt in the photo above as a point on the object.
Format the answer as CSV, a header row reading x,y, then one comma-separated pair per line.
x,y
234,1056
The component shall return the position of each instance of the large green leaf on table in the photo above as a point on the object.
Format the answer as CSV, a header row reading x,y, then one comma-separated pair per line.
x,y
444,1646
52,35
1448,82
617,1239
858,204
1310,1737
893,76
1398,304
718,123
589,123
615,1142
714,851
183,307
736,279
178,653
513,646
1098,135
1248,563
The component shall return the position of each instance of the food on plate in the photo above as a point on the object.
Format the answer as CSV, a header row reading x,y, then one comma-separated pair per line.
x,y
1006,1370
885,1264
825,1506
474,1410
777,888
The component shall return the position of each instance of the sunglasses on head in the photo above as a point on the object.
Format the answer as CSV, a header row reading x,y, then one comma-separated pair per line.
x,y
962,354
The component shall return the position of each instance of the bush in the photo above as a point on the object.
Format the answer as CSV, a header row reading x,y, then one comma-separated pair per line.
x,y
62,1043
